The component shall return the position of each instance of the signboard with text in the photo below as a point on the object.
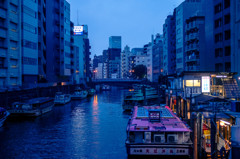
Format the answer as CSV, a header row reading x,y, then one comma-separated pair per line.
x,y
205,84
78,30
159,151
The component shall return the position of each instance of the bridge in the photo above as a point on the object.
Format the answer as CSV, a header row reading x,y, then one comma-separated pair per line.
x,y
116,82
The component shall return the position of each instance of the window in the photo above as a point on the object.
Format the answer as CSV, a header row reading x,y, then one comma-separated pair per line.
x,y
227,67
13,8
218,23
29,61
227,34
29,44
218,8
193,83
179,60
219,67
1,62
226,4
218,52
29,12
227,19
29,28
227,51
218,37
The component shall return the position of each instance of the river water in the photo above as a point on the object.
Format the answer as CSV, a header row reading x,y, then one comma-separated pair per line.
x,y
91,128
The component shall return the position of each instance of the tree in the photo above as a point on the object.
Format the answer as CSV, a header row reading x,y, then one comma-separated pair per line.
x,y
139,71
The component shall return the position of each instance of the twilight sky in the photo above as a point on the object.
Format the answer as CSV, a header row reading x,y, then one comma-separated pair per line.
x,y
134,20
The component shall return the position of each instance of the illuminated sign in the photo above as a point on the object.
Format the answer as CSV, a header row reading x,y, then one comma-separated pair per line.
x,y
159,151
154,115
205,84
78,30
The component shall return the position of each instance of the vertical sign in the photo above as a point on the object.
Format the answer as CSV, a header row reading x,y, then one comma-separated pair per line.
x,y
205,84
78,30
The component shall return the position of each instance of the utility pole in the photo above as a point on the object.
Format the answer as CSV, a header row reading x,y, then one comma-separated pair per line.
x,y
195,137
213,134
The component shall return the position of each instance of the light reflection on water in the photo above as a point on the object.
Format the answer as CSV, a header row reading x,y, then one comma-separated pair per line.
x,y
92,128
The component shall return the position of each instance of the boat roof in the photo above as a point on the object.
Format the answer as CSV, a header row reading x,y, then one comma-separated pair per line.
x,y
168,121
2,109
36,100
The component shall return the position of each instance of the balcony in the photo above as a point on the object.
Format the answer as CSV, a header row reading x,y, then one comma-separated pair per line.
x,y
14,17
3,52
14,2
192,58
14,53
14,35
3,13
3,33
3,72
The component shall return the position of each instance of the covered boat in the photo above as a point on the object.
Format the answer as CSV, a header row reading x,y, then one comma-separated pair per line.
x,y
3,115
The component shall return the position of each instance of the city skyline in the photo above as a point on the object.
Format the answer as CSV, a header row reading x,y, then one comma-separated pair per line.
x,y
100,30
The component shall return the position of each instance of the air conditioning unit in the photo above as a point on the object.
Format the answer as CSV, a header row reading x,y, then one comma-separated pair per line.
x,y
172,138
159,138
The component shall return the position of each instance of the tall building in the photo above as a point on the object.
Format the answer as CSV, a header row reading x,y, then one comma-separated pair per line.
x,y
125,62
235,36
157,57
222,35
105,59
10,43
42,49
169,45
29,42
58,41
183,12
114,52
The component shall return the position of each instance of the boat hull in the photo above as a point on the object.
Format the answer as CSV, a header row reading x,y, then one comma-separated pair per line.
x,y
158,150
62,102
30,113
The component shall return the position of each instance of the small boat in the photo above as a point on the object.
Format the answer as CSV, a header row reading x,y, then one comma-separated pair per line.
x,y
105,87
61,99
156,130
3,115
32,108
79,94
91,92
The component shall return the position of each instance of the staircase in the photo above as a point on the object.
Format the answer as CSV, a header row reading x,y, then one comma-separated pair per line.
x,y
231,88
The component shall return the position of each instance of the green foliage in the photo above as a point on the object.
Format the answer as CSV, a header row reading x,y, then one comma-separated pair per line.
x,y
140,71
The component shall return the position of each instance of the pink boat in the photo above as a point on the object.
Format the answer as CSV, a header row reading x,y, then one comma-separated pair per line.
x,y
156,130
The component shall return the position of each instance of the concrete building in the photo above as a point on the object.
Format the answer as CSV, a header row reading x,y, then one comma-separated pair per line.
x,y
157,57
169,45
29,42
10,43
114,58
97,60
125,54
235,37
42,49
183,12
99,71
222,35
58,41
196,56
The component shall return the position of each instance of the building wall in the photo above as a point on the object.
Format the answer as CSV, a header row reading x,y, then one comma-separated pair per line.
x,y
115,42
222,35
235,36
183,11
125,62
10,43
29,41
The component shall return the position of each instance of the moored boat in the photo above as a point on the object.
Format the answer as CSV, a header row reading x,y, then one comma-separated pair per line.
x,y
156,130
3,115
79,94
61,99
91,92
32,108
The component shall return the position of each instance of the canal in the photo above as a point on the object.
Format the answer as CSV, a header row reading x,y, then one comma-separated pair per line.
x,y
91,128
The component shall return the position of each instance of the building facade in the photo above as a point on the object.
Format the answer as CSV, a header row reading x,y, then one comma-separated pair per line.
x,y
169,45
157,57
125,54
10,43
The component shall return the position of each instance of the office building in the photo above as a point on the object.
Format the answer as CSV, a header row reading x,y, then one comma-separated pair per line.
x,y
157,57
10,43
125,62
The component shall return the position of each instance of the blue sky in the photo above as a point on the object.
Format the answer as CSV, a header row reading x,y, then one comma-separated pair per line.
x,y
134,20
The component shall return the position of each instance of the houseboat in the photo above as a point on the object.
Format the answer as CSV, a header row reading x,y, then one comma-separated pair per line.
x,y
79,94
105,87
3,115
32,108
61,99
138,97
91,92
156,130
